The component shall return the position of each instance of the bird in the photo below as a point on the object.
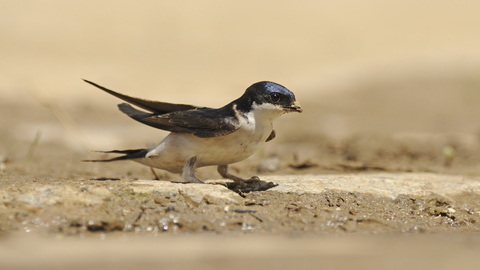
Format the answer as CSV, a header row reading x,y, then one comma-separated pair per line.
x,y
203,136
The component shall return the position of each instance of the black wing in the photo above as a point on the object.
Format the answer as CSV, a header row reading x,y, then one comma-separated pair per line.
x,y
204,122
149,105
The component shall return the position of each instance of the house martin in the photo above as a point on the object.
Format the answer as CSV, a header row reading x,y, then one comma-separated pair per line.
x,y
202,136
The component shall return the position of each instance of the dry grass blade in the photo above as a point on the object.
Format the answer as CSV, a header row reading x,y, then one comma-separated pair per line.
x,y
66,121
32,147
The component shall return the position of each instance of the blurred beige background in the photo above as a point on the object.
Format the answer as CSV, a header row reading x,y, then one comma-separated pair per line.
x,y
390,67
206,52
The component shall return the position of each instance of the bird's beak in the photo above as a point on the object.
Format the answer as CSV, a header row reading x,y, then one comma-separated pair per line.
x,y
295,107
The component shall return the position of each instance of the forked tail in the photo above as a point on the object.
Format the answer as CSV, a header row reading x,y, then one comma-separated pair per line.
x,y
129,154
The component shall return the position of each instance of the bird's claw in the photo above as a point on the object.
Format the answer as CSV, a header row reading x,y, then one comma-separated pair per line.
x,y
252,179
221,183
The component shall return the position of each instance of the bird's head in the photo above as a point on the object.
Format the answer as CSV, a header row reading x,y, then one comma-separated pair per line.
x,y
272,96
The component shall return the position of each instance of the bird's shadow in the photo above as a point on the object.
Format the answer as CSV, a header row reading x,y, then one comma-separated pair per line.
x,y
250,186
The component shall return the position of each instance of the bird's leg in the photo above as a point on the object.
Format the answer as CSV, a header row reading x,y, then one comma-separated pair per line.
x,y
223,171
189,171
155,174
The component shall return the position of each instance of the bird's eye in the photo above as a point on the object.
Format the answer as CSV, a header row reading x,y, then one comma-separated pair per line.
x,y
275,97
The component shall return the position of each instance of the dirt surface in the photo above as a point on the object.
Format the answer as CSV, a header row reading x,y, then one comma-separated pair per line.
x,y
331,212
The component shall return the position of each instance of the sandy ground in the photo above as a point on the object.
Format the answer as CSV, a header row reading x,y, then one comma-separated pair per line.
x,y
259,252
386,88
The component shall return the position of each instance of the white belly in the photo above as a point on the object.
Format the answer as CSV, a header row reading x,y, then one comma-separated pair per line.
x,y
172,153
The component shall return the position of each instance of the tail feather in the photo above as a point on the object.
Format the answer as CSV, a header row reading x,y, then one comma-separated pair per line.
x,y
156,107
129,154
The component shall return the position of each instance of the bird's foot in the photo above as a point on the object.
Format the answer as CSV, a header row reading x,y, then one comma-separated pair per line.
x,y
221,183
244,185
223,171
249,185
251,179
189,171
